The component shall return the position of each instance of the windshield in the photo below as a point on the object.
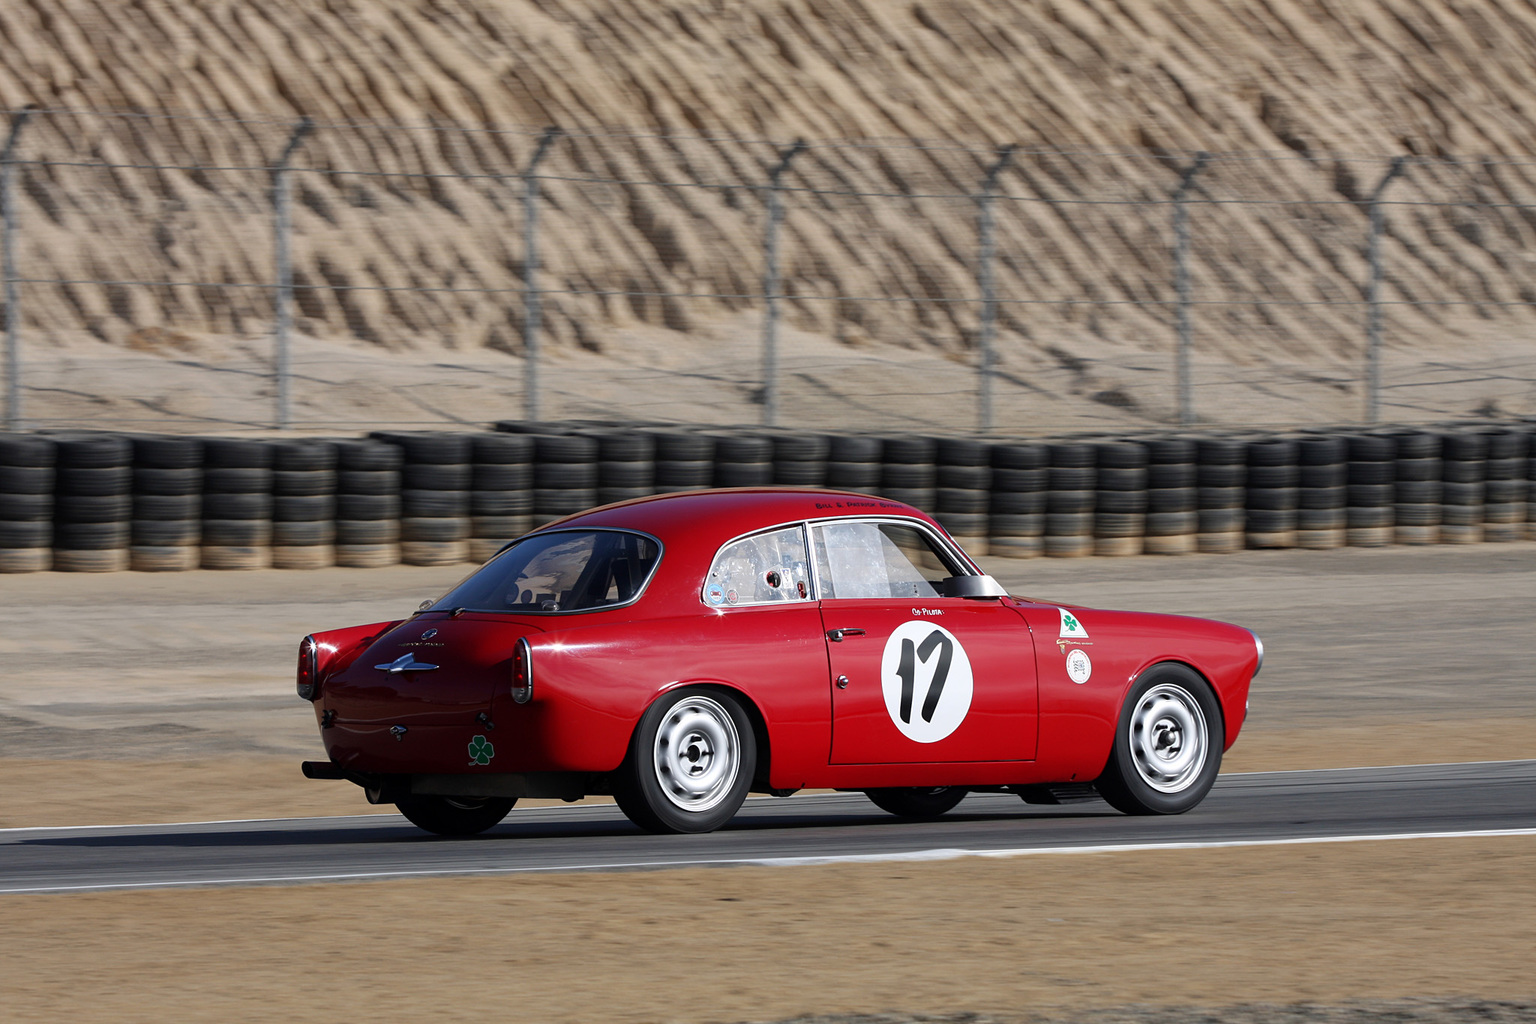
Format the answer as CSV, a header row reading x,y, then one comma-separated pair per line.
x,y
563,571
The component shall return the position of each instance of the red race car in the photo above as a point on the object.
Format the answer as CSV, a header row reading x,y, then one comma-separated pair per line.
x,y
682,650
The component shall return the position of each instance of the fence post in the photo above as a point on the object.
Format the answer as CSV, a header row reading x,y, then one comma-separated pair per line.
x,y
771,286
532,312
988,296
8,257
282,229
1373,298
1181,283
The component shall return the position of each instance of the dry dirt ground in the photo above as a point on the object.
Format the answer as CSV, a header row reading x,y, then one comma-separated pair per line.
x,y
1043,937
136,697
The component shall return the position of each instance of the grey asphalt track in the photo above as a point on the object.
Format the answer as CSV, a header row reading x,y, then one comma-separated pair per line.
x,y
1244,808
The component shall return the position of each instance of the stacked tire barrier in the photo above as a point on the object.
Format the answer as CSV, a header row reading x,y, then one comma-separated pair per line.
x,y
1322,493
800,460
743,460
963,472
684,462
435,477
167,530
26,503
908,472
1416,487
1016,505
1069,504
303,504
1120,499
100,502
854,463
501,495
237,504
1173,522
368,504
1271,495
1221,475
1372,490
1504,509
626,466
92,503
1464,466
564,475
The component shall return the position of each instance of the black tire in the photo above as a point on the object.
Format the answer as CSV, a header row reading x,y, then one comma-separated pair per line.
x,y
1121,502
106,480
432,503
26,479
961,451
690,763
561,476
171,482
26,450
743,474
98,451
368,481
560,448
1166,476
368,456
1171,499
1372,472
237,480
303,456
303,482
440,449
1070,501
28,508
436,476
908,450
504,503
917,804
454,815
855,448
965,477
304,508
679,447
953,499
368,506
155,452
237,506
909,475
518,476
1223,475
1067,454
502,449
1153,767
1018,503
236,453
848,475
1121,455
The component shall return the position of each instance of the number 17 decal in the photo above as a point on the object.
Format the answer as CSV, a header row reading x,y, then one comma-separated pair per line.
x,y
926,666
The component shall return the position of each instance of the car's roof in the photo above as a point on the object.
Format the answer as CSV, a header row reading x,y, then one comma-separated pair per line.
x,y
717,515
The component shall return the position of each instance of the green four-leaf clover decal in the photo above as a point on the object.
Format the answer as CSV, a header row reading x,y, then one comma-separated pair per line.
x,y
481,751
1071,623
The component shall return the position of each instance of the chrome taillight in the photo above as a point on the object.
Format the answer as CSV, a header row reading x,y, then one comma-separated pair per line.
x,y
522,672
309,676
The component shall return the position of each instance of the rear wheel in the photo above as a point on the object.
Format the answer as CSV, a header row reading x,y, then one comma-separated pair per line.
x,y
1167,744
454,815
923,804
689,765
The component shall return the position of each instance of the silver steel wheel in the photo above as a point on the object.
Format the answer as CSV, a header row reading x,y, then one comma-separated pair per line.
x,y
1168,738
697,754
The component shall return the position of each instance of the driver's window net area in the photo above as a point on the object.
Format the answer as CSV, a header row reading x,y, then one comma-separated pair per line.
x,y
879,560
560,572
767,568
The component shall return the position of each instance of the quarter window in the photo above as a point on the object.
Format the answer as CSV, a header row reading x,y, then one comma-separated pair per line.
x,y
880,560
762,569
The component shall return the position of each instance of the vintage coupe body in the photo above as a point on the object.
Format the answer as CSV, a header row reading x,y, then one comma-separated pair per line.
x,y
682,650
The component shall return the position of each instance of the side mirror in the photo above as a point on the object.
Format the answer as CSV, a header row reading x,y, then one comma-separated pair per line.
x,y
978,587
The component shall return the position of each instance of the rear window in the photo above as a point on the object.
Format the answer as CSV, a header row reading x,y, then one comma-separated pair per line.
x,y
563,571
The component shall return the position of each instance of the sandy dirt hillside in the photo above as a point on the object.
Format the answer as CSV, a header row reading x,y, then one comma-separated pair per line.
x,y
670,108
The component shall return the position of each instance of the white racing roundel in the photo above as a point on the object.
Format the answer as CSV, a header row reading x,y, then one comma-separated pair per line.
x,y
927,681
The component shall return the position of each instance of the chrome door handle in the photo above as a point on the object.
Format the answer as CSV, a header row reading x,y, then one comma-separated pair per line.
x,y
836,635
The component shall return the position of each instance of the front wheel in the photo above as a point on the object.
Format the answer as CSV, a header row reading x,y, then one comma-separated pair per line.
x,y
1167,744
922,804
689,764
454,815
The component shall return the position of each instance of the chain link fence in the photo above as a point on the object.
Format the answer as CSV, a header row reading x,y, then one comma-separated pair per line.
x,y
204,274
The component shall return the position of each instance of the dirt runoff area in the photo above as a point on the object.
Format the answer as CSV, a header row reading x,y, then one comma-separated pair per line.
x,y
1034,938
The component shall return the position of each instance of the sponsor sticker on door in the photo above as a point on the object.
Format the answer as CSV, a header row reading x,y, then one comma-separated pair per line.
x,y
926,679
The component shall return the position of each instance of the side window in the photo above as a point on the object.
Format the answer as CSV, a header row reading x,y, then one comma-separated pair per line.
x,y
880,560
762,569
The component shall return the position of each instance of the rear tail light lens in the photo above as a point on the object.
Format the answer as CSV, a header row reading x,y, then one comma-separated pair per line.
x,y
308,677
522,672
